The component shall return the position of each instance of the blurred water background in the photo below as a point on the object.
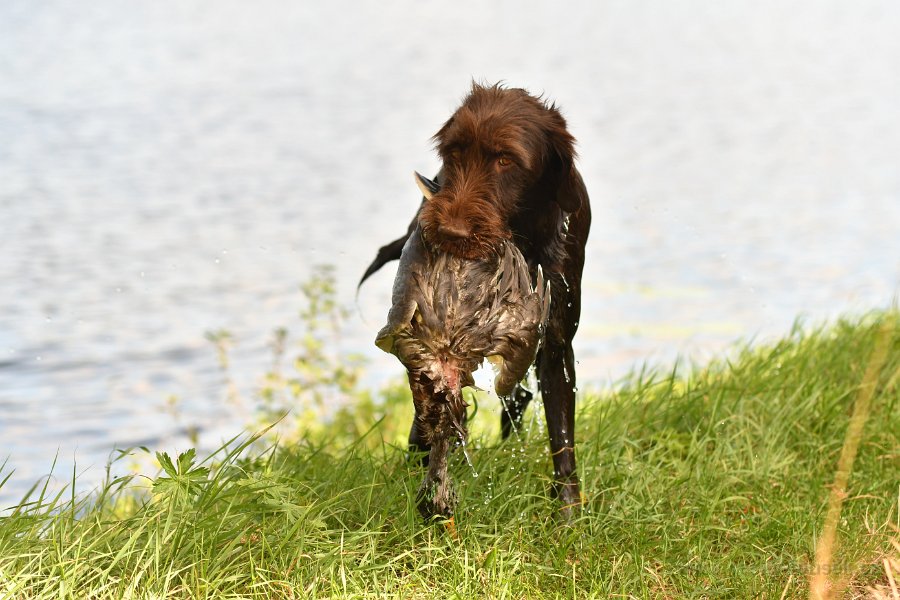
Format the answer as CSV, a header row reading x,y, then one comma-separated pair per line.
x,y
168,168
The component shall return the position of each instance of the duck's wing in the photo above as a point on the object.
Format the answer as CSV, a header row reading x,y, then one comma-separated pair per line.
x,y
519,324
410,291
425,301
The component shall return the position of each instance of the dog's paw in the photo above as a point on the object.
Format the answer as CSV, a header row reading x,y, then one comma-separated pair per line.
x,y
570,499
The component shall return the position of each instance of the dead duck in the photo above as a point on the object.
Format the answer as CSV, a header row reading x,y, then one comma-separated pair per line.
x,y
447,315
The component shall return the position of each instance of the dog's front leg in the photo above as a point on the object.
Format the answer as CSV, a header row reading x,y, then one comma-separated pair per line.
x,y
556,373
418,446
513,408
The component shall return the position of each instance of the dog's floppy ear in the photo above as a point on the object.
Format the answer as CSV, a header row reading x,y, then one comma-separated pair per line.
x,y
559,162
442,132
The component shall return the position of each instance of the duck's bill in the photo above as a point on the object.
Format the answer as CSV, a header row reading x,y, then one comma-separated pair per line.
x,y
429,188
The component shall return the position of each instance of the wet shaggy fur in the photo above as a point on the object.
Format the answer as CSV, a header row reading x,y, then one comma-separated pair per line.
x,y
508,173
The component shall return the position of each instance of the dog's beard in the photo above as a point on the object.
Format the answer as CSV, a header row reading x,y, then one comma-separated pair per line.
x,y
487,229
470,248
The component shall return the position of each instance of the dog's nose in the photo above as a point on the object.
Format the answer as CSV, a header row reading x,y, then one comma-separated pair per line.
x,y
454,229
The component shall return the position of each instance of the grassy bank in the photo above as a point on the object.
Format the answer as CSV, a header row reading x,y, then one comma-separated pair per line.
x,y
709,484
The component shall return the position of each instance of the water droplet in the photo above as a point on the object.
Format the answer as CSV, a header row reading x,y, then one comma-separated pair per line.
x,y
468,459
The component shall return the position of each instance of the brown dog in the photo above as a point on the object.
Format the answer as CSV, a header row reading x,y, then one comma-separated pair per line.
x,y
508,174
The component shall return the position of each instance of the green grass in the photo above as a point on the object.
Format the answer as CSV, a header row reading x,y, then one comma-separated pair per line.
x,y
710,484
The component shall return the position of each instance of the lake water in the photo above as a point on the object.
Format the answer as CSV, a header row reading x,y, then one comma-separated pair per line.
x,y
172,168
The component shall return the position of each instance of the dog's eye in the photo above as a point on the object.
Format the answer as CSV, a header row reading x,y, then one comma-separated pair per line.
x,y
503,161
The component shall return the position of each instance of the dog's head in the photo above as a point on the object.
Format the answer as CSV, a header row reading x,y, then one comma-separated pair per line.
x,y
502,149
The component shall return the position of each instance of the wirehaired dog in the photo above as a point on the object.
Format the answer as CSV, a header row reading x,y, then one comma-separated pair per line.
x,y
508,174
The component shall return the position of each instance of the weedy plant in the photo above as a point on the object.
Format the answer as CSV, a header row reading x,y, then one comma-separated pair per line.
x,y
313,389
